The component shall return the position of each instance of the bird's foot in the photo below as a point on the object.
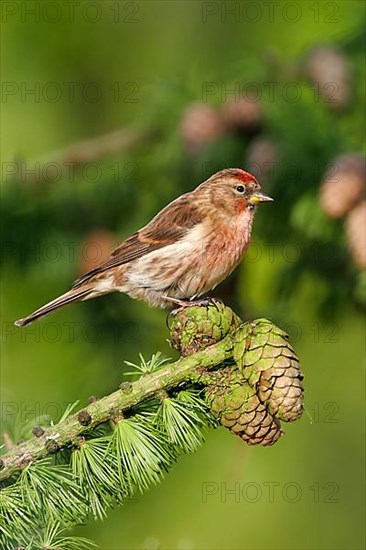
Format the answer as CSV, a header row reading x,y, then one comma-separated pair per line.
x,y
208,301
177,302
181,305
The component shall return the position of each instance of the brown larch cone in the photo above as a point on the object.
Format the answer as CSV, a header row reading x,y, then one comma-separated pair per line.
x,y
201,124
343,185
329,68
237,407
269,364
96,248
356,234
261,159
244,114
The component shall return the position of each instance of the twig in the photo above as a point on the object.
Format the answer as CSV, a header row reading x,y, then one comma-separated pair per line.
x,y
66,432
54,165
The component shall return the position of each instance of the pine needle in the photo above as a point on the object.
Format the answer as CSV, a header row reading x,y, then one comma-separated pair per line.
x,y
94,474
140,451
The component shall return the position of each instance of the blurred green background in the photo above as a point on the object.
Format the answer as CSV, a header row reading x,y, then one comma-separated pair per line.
x,y
146,67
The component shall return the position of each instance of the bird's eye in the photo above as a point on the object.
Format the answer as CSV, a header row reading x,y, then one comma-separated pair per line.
x,y
240,188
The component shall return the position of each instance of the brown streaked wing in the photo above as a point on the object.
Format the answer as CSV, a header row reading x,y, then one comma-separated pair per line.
x,y
167,227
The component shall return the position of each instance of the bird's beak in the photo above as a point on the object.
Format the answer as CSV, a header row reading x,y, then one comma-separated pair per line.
x,y
256,198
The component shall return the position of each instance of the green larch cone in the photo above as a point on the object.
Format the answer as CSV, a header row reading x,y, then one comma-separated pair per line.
x,y
270,365
194,328
262,387
237,407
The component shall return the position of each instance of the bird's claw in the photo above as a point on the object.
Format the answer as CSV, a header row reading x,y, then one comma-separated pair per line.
x,y
168,318
209,301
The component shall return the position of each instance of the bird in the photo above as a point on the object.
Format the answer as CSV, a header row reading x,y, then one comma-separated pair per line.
x,y
186,250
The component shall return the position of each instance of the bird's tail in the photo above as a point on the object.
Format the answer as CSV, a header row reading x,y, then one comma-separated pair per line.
x,y
68,298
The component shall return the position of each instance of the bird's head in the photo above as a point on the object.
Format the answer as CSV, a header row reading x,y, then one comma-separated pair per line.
x,y
234,191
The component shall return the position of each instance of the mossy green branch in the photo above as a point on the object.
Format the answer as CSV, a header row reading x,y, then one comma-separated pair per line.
x,y
250,394
170,376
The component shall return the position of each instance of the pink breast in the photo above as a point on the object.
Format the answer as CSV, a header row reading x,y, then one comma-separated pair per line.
x,y
224,251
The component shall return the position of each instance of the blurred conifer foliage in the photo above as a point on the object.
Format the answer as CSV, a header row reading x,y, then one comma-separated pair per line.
x,y
303,142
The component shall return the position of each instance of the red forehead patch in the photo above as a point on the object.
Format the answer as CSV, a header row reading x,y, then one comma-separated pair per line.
x,y
235,173
243,176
